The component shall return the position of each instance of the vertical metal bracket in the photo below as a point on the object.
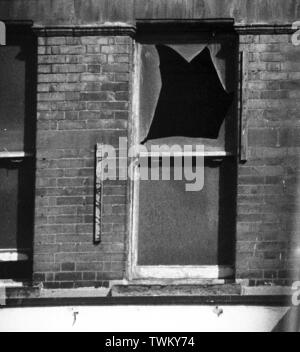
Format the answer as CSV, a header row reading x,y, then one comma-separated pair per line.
x,y
99,193
243,107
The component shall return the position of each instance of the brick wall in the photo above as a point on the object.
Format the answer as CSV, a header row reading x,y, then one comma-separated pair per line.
x,y
83,99
267,191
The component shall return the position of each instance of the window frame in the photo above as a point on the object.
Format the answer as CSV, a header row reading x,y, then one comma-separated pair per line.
x,y
11,255
159,274
15,254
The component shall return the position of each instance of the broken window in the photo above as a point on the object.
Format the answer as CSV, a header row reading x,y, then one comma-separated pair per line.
x,y
187,96
17,145
192,101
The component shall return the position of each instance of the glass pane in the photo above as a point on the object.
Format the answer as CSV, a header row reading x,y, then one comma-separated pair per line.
x,y
16,204
17,94
189,228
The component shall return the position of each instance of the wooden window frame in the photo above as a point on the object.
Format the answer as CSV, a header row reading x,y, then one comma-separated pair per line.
x,y
159,274
16,254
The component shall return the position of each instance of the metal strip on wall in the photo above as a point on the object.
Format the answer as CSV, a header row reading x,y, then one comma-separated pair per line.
x,y
98,194
243,107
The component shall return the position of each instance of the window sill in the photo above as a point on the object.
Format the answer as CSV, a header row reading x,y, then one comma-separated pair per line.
x,y
14,255
15,155
209,272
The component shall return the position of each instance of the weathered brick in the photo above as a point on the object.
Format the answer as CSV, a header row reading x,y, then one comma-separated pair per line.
x,y
69,68
115,49
68,50
99,96
95,40
110,105
44,69
89,77
51,59
89,276
72,276
116,68
68,267
55,41
74,59
94,68
263,137
93,49
272,57
89,115
98,59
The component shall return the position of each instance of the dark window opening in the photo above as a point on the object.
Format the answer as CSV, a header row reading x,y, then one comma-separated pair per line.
x,y
192,101
188,91
17,152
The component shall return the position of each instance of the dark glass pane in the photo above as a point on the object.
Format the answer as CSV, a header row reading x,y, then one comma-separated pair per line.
x,y
16,204
8,207
17,85
189,228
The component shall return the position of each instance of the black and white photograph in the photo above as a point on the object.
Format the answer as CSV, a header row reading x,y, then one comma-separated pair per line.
x,y
149,169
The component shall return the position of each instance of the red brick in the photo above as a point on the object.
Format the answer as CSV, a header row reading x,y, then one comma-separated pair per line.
x,y
68,267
